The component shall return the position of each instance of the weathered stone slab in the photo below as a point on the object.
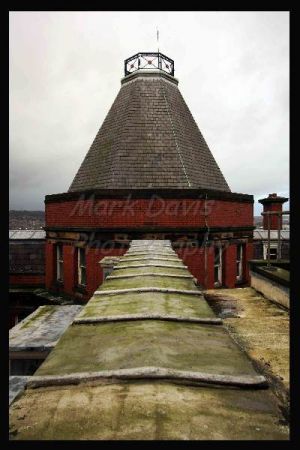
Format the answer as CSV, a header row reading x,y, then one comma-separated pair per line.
x,y
42,329
151,274
147,303
148,289
128,317
159,373
153,256
153,264
145,410
141,343
16,386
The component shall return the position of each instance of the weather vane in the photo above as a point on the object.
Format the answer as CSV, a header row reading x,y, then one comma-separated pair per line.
x,y
157,38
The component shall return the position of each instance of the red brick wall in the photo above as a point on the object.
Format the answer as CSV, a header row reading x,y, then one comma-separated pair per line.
x,y
229,266
70,268
27,279
136,213
50,264
94,271
273,218
194,258
142,212
248,254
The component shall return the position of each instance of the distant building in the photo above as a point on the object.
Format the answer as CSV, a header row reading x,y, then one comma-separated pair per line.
x,y
260,235
26,271
27,258
260,241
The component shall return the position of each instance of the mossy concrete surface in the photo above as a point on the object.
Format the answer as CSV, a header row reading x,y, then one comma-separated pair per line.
x,y
43,327
144,282
185,346
262,329
153,269
147,302
143,257
149,254
144,410
153,261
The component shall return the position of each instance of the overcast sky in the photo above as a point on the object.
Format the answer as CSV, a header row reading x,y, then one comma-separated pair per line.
x,y
65,71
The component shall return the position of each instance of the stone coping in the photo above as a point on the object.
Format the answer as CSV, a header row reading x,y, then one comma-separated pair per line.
x,y
253,381
137,266
148,289
120,277
127,259
143,316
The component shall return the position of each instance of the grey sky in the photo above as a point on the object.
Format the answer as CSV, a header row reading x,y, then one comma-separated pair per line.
x,y
65,71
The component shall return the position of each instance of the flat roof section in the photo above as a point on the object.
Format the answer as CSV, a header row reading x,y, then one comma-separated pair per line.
x,y
27,234
42,329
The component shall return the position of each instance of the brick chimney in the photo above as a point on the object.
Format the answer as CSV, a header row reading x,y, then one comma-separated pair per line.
x,y
272,203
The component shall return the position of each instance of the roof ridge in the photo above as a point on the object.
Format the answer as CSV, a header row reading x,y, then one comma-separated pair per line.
x,y
173,131
123,128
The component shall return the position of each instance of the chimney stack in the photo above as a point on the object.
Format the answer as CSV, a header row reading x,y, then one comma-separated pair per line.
x,y
272,203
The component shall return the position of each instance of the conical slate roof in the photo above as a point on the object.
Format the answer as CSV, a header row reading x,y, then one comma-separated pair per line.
x,y
149,139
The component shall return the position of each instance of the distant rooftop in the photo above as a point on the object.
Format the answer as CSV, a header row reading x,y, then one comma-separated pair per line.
x,y
263,234
27,234
273,198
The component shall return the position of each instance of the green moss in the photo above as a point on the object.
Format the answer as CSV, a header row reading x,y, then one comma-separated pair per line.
x,y
184,346
177,263
146,270
281,273
145,410
143,282
43,310
147,302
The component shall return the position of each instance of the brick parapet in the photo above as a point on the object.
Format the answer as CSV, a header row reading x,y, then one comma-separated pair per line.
x,y
183,213
27,280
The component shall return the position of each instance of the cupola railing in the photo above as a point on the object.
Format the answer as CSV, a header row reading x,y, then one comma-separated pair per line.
x,y
147,60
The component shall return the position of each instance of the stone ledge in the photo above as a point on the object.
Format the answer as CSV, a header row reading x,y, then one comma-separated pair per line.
x,y
137,266
120,277
149,289
125,317
244,381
